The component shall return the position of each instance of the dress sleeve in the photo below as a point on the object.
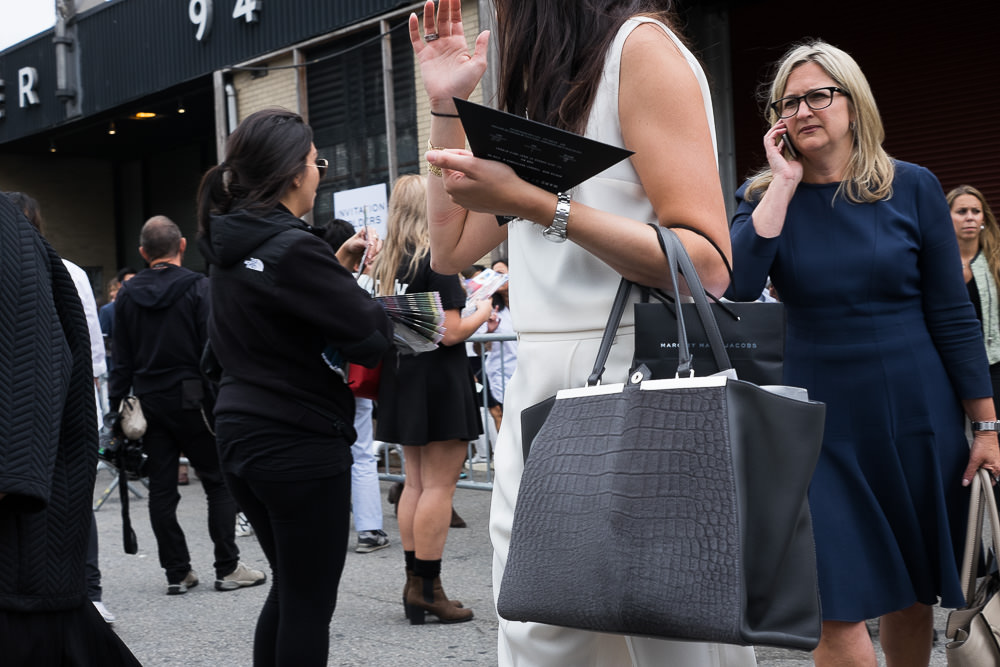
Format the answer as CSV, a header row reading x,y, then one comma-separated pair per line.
x,y
951,318
317,289
450,288
753,255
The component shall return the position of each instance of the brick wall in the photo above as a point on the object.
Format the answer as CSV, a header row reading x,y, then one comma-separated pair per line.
x,y
76,196
278,87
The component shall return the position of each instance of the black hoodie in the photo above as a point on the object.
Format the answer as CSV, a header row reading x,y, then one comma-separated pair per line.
x,y
161,318
279,298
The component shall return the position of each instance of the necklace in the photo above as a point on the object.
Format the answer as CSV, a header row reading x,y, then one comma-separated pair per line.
x,y
967,263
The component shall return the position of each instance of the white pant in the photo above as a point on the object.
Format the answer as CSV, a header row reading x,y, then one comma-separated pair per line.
x,y
366,498
547,363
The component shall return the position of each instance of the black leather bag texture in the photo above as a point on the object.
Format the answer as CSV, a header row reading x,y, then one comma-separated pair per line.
x,y
671,508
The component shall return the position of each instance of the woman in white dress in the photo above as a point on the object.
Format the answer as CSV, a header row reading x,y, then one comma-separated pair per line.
x,y
615,71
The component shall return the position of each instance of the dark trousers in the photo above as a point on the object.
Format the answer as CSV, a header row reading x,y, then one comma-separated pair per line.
x,y
303,527
91,567
175,426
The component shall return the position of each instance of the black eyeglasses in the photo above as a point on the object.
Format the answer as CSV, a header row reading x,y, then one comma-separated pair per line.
x,y
321,166
817,99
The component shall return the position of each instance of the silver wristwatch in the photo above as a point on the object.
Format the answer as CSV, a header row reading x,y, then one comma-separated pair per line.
x,y
986,426
556,232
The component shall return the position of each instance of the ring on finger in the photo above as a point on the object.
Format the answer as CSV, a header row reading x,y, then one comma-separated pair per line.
x,y
431,36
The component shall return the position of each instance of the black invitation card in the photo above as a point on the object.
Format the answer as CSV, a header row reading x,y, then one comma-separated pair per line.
x,y
553,159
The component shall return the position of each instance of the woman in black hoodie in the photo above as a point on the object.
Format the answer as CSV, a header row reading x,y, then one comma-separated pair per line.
x,y
285,312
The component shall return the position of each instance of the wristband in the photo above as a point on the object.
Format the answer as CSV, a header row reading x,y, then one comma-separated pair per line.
x,y
986,426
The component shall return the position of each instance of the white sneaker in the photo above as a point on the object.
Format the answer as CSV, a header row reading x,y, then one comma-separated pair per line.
x,y
372,540
243,527
241,577
109,618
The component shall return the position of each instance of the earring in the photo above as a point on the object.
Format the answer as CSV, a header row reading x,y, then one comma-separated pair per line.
x,y
852,126
982,226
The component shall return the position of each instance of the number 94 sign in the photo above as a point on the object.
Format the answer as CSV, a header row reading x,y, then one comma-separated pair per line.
x,y
200,13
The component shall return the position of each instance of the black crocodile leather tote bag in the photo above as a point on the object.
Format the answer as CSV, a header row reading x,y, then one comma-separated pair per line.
x,y
678,506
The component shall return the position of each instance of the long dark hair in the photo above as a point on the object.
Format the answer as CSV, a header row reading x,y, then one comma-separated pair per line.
x,y
29,206
263,157
553,53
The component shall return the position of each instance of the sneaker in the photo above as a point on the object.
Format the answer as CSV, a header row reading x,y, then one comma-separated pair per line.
x,y
109,618
243,527
190,581
241,577
372,540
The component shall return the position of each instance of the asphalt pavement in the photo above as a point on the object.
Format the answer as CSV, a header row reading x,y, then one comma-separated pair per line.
x,y
209,628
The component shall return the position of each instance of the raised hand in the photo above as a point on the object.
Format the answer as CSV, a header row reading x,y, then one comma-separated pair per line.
x,y
447,67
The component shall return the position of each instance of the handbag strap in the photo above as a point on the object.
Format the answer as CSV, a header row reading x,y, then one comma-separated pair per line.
x,y
684,356
610,329
981,500
682,264
679,263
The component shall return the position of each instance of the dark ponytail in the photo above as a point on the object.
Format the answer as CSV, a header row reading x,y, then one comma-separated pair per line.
x,y
263,157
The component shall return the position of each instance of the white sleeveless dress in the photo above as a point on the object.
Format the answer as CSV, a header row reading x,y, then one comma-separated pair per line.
x,y
560,297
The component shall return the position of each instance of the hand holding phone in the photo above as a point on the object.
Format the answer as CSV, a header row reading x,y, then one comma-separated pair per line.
x,y
792,153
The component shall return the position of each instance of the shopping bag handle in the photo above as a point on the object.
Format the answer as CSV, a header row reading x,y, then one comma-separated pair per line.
x,y
679,263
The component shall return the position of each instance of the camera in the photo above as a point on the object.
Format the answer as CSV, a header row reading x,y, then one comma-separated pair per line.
x,y
124,454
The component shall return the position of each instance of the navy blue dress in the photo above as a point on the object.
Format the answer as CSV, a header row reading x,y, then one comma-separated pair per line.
x,y
880,328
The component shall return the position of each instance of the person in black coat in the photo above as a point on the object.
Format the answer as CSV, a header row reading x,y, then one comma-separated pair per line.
x,y
48,460
286,314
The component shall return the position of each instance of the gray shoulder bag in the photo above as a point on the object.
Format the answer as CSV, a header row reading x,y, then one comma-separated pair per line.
x,y
680,503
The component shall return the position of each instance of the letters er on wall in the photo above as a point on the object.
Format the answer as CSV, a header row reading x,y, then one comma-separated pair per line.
x,y
27,81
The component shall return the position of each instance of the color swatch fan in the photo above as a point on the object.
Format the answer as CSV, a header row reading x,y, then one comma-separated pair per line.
x,y
417,320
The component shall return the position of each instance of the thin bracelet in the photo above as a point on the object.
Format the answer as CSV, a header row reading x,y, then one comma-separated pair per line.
x,y
433,168
444,115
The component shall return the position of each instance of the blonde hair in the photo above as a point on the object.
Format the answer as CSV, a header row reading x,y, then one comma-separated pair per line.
x,y
407,232
989,237
870,170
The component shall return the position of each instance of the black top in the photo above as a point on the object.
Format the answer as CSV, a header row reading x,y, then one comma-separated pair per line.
x,y
974,297
430,396
161,317
279,298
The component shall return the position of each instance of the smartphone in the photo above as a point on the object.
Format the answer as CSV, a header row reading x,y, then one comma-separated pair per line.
x,y
792,153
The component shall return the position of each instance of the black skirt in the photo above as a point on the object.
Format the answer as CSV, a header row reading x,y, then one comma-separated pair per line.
x,y
428,398
72,638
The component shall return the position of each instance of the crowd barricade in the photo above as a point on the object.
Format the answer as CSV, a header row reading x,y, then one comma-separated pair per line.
x,y
478,470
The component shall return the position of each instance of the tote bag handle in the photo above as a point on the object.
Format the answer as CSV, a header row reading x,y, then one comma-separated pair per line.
x,y
982,500
679,263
